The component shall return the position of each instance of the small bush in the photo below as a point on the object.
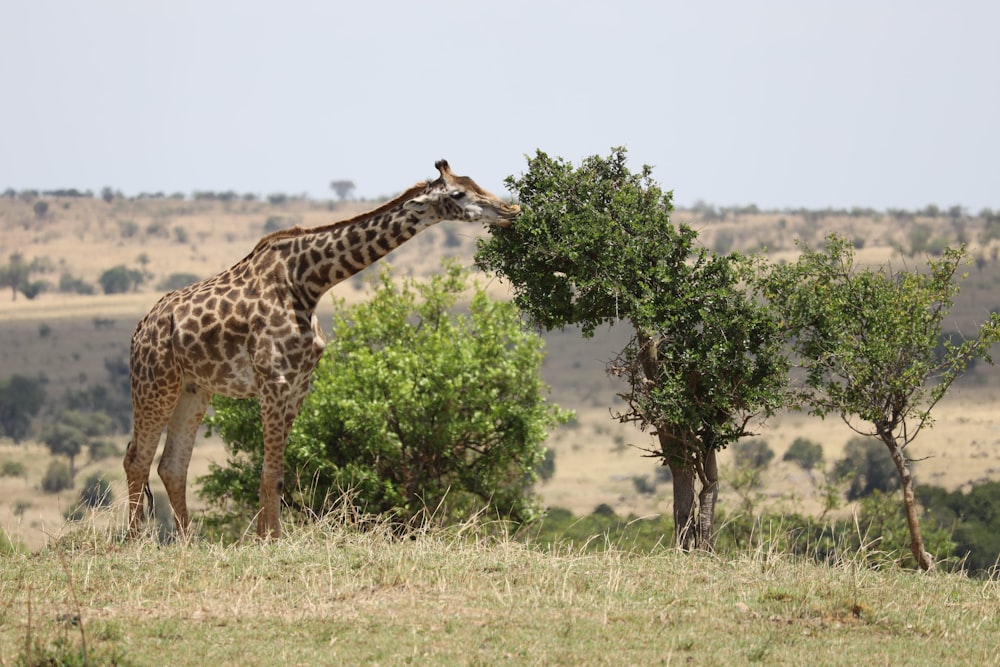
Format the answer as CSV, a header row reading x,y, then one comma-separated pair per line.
x,y
804,452
177,281
273,224
103,449
70,285
96,492
13,469
754,454
869,467
57,478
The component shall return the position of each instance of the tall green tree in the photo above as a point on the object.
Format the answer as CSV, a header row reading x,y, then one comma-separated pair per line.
x,y
414,407
595,245
21,398
15,274
868,340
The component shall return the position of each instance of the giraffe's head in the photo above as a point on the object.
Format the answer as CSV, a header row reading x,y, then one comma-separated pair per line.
x,y
460,198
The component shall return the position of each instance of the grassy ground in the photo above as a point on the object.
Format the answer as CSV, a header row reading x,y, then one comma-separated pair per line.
x,y
329,595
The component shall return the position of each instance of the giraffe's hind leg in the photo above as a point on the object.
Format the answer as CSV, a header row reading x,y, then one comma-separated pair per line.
x,y
149,422
181,432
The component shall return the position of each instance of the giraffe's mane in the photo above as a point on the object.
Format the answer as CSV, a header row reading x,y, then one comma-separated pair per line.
x,y
280,234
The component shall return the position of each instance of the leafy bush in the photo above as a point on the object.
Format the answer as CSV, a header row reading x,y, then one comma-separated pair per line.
x,y
806,453
413,407
96,491
120,279
70,285
20,400
755,454
974,518
868,465
57,478
13,469
102,449
177,281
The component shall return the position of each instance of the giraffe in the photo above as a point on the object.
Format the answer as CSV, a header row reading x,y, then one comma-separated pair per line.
x,y
251,331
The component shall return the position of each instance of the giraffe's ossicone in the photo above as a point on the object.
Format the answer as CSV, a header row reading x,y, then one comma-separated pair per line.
x,y
251,331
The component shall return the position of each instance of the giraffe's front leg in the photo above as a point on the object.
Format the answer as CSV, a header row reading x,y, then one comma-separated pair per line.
x,y
278,409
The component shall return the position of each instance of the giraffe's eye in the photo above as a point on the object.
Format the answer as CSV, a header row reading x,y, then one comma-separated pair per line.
x,y
457,194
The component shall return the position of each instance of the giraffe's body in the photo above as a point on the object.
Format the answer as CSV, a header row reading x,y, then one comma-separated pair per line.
x,y
251,331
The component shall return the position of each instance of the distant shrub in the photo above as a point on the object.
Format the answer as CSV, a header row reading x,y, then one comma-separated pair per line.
x,y
33,288
128,228
868,466
96,491
102,449
724,241
754,454
13,469
177,281
180,235
120,279
643,485
547,467
804,452
273,224
157,228
57,478
70,285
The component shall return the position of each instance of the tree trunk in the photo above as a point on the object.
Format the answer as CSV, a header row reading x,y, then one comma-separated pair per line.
x,y
706,502
924,559
684,520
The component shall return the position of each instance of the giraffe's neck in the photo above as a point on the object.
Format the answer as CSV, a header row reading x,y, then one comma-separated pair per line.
x,y
320,258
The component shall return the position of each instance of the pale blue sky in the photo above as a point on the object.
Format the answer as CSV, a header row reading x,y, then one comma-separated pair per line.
x,y
888,104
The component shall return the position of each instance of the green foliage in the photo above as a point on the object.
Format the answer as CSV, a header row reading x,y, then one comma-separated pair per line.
x,y
176,281
868,467
98,450
21,398
15,274
68,432
58,477
64,439
274,223
96,491
13,469
869,339
70,285
805,452
120,279
755,454
413,408
595,245
974,518
599,531
546,468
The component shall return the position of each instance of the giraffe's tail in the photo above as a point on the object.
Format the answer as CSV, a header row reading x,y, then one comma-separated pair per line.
x,y
148,505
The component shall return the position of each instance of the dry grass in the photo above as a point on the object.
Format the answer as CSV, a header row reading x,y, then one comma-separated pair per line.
x,y
333,594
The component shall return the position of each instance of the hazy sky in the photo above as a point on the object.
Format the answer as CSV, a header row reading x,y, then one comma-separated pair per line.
x,y
887,104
